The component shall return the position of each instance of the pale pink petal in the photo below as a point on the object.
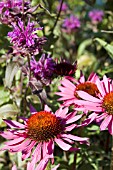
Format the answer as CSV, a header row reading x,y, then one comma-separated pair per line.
x,y
64,90
69,128
62,144
106,83
88,97
15,141
14,124
55,168
31,165
44,149
61,112
88,120
8,135
82,78
110,126
92,77
50,148
73,137
37,152
18,146
14,167
105,122
100,87
100,117
26,152
73,119
42,164
46,108
67,83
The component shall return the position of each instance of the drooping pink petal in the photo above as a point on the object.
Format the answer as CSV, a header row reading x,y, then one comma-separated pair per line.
x,y
62,144
55,168
15,141
8,135
106,83
71,127
105,122
88,97
61,112
37,152
110,126
100,117
73,137
67,83
46,108
14,124
26,152
100,87
73,119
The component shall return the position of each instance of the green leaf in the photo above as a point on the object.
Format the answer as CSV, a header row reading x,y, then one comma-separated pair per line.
x,y
83,45
4,96
106,46
8,110
11,70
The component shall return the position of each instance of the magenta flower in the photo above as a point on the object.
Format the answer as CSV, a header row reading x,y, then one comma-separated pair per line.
x,y
43,69
24,39
40,131
11,9
96,15
70,24
70,86
102,105
64,7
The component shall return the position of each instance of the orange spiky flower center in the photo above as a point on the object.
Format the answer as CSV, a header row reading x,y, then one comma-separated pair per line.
x,y
88,87
108,103
43,126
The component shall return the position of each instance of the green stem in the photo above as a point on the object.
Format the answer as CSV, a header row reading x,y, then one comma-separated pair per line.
x,y
111,165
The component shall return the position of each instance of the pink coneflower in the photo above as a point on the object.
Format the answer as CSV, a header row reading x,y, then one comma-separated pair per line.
x,y
40,131
101,105
70,86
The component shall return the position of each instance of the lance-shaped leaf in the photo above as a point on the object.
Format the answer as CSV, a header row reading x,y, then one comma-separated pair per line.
x,y
106,46
8,110
11,70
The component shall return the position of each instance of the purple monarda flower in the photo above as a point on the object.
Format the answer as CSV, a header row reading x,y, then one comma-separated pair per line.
x,y
43,69
64,7
71,24
11,9
96,15
25,39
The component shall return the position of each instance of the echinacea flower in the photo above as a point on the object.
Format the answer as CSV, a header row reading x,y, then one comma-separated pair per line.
x,y
71,23
70,86
11,9
65,68
40,131
102,105
43,69
25,39
96,15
